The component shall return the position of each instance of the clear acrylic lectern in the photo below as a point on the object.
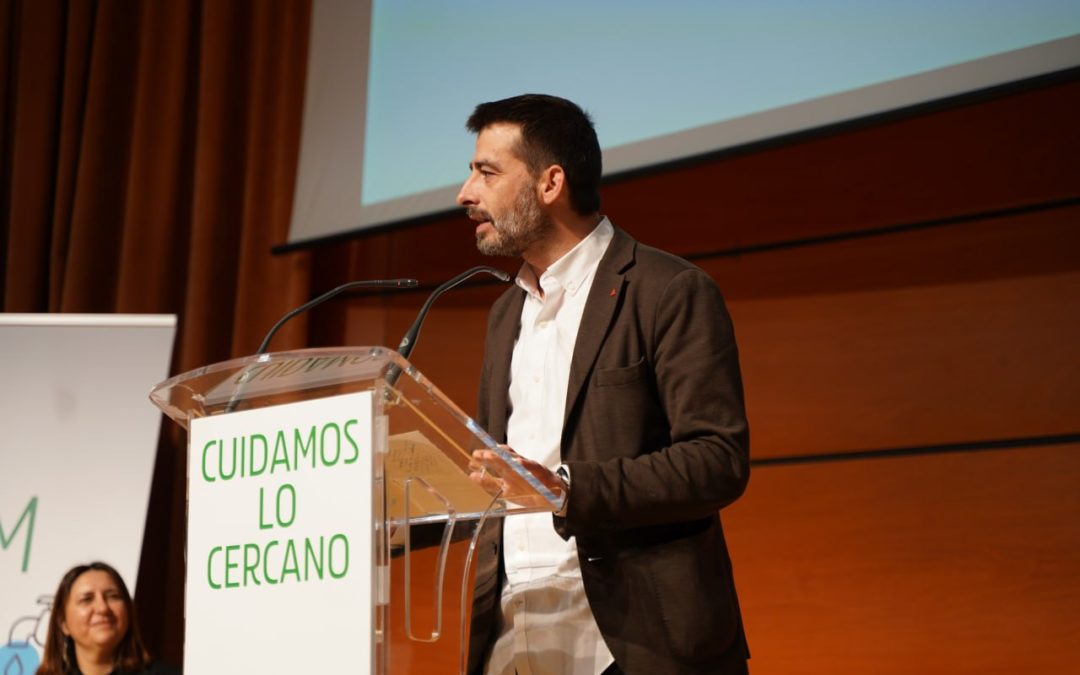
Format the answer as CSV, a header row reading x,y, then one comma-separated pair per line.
x,y
287,445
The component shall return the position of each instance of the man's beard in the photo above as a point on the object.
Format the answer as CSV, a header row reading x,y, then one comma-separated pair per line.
x,y
515,232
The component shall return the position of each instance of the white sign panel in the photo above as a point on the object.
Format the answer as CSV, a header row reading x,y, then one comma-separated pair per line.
x,y
280,531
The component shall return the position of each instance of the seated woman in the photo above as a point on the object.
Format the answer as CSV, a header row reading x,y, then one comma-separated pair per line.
x,y
92,629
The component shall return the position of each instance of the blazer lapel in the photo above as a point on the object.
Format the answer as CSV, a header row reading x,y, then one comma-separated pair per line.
x,y
505,329
605,297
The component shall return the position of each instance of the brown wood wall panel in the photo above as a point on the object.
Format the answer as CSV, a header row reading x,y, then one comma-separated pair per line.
x,y
951,564
1039,243
920,366
861,370
954,334
408,655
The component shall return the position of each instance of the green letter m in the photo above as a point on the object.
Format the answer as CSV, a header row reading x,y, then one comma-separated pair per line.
x,y
5,541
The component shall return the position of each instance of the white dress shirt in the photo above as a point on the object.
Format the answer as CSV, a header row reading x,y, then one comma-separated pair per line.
x,y
546,625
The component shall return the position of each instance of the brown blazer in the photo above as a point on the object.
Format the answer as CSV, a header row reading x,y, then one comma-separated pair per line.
x,y
656,441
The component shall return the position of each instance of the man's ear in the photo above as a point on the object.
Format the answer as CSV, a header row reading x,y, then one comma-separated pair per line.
x,y
552,184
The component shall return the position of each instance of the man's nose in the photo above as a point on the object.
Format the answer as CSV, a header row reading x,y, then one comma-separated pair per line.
x,y
465,194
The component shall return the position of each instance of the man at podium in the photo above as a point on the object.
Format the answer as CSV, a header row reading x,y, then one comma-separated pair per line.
x,y
614,365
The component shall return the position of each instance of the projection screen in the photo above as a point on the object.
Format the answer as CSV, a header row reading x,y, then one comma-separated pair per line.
x,y
391,82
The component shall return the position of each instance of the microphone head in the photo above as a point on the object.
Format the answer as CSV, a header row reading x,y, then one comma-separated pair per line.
x,y
500,275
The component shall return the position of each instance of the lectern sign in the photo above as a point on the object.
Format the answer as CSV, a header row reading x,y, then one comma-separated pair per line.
x,y
280,523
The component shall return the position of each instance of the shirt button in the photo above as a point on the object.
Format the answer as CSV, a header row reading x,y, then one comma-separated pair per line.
x,y
536,379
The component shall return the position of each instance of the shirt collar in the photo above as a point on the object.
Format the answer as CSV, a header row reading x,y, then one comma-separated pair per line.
x,y
571,270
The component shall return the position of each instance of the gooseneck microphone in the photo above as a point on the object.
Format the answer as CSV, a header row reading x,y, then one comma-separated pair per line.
x,y
230,406
377,283
408,342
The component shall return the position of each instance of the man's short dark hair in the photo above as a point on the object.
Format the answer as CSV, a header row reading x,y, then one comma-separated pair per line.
x,y
553,131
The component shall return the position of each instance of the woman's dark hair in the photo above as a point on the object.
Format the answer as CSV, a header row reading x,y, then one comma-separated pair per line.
x,y
553,131
59,657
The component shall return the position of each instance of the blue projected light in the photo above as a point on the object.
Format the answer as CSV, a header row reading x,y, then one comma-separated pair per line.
x,y
391,82
645,69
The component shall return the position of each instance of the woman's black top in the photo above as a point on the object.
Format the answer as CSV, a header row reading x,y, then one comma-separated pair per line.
x,y
152,669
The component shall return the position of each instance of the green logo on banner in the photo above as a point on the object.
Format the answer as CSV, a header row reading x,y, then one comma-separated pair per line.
x,y
29,514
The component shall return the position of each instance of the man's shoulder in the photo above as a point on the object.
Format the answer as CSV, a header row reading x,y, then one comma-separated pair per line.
x,y
659,259
659,266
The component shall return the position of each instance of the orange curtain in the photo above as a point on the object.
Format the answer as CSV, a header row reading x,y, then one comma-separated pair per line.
x,y
147,159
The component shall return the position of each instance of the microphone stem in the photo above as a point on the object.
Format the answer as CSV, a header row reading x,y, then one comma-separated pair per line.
x,y
391,283
241,383
413,334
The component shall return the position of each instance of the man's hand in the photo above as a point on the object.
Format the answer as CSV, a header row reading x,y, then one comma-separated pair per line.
x,y
491,472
